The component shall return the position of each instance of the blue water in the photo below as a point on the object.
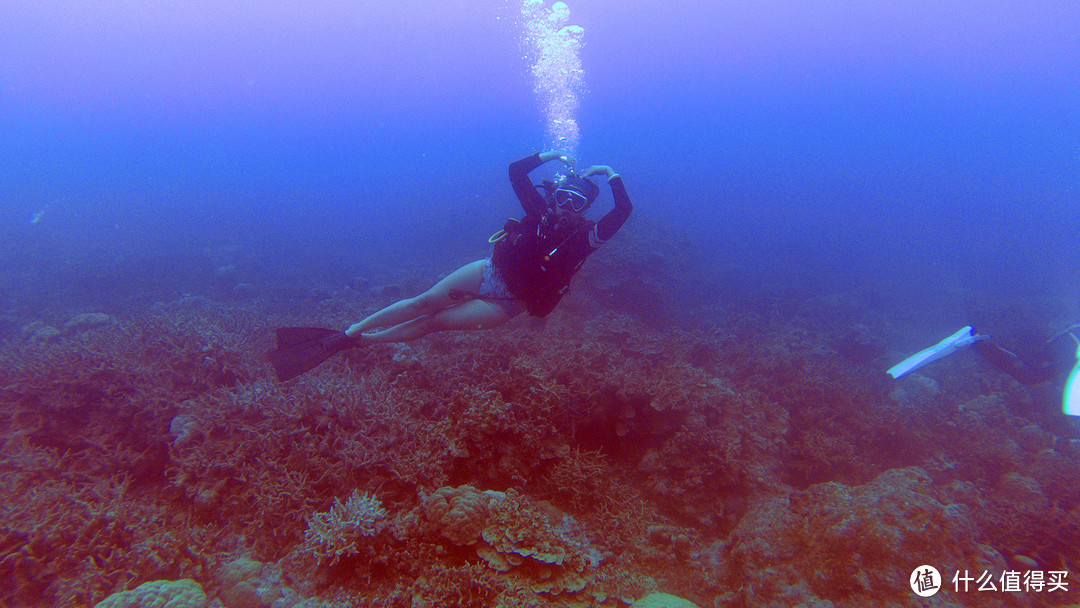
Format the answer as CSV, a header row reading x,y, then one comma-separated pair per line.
x,y
923,141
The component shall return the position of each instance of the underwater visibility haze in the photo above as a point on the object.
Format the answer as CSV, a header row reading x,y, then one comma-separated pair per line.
x,y
822,192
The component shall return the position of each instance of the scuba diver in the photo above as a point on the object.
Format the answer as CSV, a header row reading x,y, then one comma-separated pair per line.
x,y
530,268
1042,362
1045,362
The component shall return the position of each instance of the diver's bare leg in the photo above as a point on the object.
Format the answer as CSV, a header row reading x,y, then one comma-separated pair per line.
x,y
467,278
471,315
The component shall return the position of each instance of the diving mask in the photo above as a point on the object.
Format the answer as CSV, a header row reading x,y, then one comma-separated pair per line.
x,y
575,193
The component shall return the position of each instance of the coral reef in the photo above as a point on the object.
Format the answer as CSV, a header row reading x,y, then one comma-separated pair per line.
x,y
844,543
596,460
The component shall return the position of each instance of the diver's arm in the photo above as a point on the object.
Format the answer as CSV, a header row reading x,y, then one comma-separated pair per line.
x,y
559,154
610,223
531,200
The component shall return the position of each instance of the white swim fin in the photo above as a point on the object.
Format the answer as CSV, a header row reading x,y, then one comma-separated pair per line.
x,y
1071,401
946,347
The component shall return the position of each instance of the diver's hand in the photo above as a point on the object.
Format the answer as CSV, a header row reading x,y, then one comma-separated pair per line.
x,y
566,158
598,169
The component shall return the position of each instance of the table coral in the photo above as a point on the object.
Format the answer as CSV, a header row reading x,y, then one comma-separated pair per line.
x,y
510,534
516,527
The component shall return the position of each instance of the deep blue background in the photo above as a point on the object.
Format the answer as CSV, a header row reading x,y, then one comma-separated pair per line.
x,y
920,149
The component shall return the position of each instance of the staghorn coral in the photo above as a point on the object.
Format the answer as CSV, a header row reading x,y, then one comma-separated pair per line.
x,y
84,429
335,533
577,475
74,542
465,585
266,454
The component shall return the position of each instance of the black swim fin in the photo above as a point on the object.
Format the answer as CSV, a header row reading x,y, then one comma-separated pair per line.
x,y
301,348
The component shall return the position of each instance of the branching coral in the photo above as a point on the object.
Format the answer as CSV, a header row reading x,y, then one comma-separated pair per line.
x,y
578,475
335,533
85,436
465,585
73,540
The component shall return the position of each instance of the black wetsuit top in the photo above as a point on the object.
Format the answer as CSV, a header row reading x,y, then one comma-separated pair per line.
x,y
541,253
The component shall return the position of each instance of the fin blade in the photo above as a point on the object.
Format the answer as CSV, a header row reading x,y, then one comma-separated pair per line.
x,y
294,336
299,349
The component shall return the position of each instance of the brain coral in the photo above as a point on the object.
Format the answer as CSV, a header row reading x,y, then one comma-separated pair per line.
x,y
663,600
158,594
460,514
